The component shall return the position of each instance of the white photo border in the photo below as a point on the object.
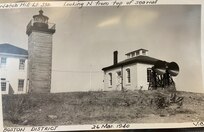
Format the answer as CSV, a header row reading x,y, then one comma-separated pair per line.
x,y
132,126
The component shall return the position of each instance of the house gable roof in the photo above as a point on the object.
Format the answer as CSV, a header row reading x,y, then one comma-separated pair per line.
x,y
11,49
137,59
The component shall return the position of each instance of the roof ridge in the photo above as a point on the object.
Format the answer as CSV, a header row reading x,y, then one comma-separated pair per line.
x,y
12,49
11,45
138,59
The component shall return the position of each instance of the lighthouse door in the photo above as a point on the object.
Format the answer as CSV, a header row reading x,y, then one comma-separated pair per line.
x,y
118,80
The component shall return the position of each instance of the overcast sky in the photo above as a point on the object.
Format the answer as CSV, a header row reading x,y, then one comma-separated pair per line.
x,y
86,38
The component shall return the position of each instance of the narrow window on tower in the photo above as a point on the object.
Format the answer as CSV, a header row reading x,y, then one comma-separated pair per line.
x,y
3,84
110,79
128,79
20,85
21,64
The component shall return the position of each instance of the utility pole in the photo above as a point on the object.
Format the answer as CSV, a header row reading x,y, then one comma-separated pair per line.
x,y
90,77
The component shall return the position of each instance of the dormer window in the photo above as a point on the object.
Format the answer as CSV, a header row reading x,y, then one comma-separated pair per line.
x,y
144,52
137,53
133,54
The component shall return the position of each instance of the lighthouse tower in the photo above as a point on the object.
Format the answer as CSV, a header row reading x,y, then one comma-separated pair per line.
x,y
40,34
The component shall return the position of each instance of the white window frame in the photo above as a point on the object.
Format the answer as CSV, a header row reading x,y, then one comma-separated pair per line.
x,y
110,79
3,81
21,88
3,64
21,65
128,76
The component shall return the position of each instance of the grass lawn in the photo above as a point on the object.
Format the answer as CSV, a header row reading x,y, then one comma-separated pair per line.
x,y
100,107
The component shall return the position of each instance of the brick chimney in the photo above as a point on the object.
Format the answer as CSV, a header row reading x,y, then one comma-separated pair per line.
x,y
115,57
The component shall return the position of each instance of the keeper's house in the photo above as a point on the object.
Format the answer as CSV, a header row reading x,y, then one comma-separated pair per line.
x,y
130,74
13,69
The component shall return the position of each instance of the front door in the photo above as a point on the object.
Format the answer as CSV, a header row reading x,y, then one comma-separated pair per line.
x,y
118,80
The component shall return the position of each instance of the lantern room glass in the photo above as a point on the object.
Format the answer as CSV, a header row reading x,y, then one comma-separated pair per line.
x,y
40,18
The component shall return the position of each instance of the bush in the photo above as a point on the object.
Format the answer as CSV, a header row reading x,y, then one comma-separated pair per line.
x,y
14,106
160,102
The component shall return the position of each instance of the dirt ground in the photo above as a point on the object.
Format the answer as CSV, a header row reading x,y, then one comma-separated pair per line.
x,y
101,107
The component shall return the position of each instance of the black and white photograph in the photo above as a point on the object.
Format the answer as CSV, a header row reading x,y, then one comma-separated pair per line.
x,y
63,66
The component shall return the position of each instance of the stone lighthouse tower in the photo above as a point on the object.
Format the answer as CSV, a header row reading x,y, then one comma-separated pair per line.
x,y
40,34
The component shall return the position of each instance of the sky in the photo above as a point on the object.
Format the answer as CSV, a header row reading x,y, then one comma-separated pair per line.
x,y
86,37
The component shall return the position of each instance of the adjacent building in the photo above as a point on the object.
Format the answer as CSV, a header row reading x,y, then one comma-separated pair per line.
x,y
130,74
13,69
